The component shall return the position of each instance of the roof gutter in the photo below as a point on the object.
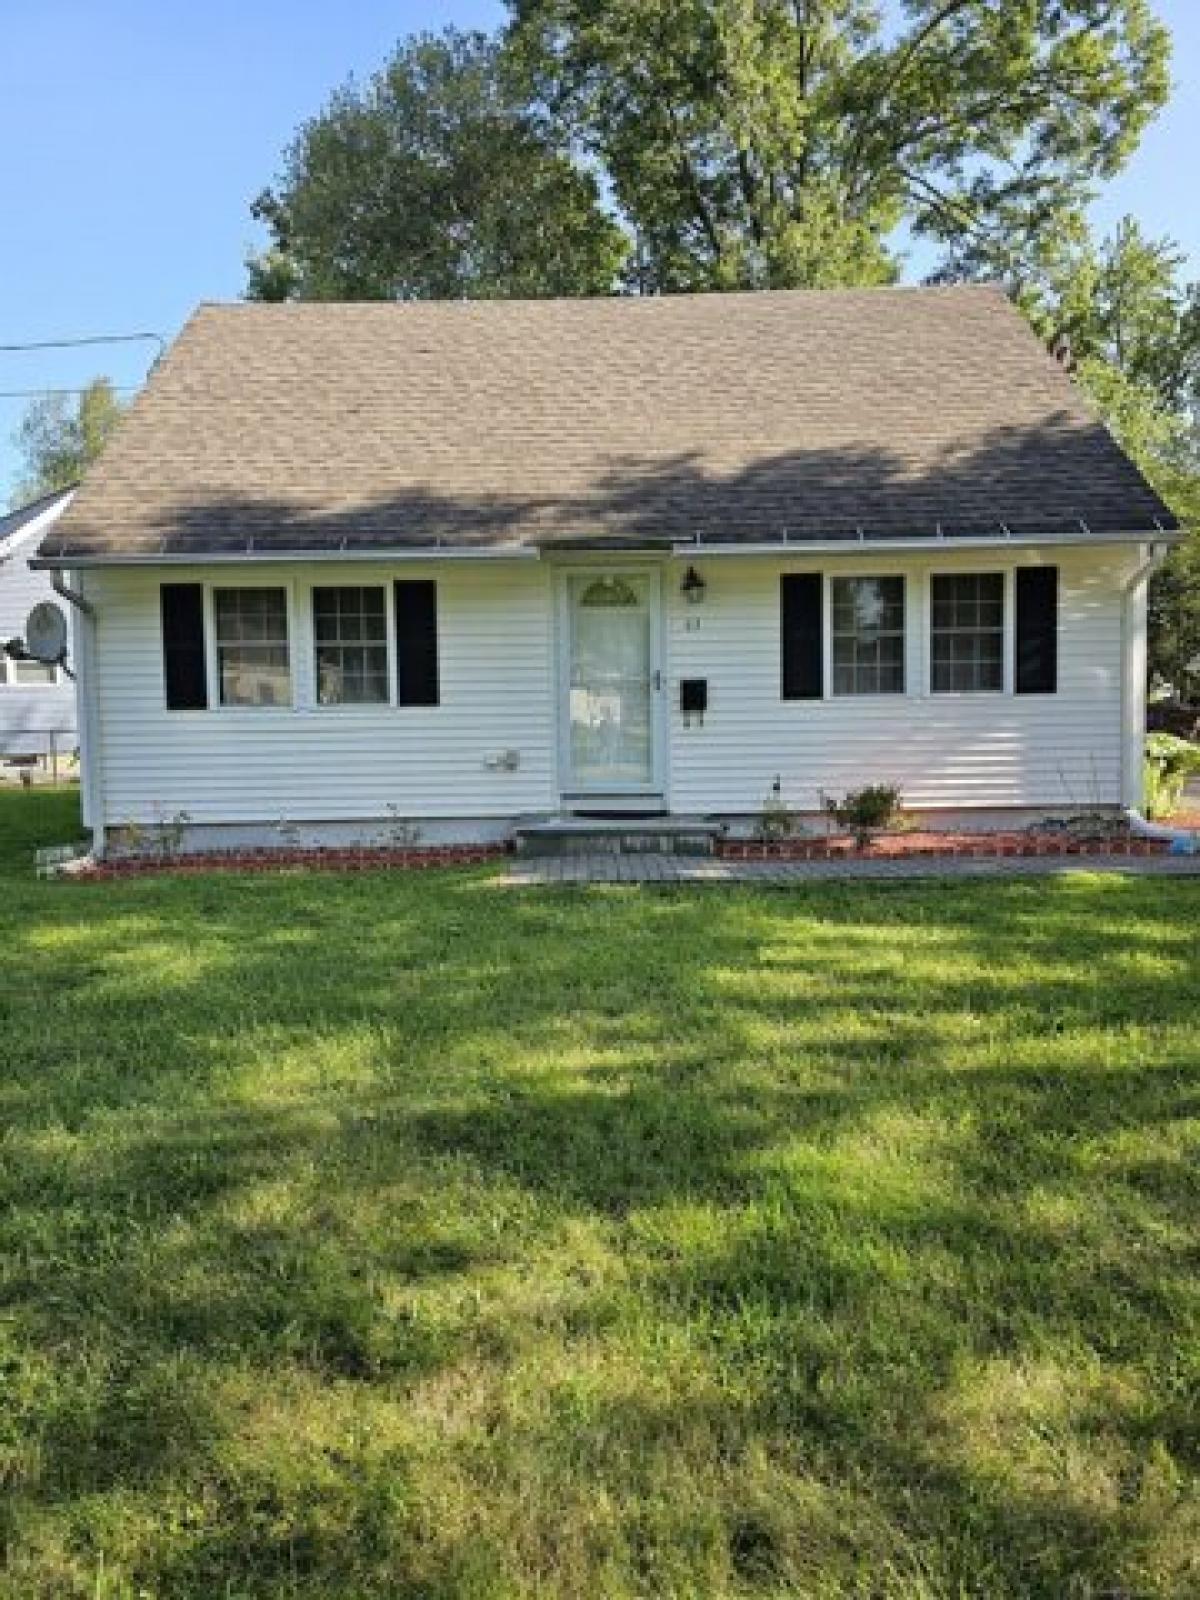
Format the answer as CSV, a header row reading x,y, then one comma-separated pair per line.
x,y
200,558
683,548
71,596
1007,541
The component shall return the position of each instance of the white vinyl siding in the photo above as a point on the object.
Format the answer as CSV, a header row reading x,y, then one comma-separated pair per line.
x,y
945,750
499,694
37,704
309,762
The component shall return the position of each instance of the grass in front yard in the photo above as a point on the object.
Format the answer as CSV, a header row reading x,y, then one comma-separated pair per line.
x,y
405,1236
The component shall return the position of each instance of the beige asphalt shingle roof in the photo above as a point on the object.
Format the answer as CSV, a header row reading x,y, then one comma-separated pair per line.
x,y
744,417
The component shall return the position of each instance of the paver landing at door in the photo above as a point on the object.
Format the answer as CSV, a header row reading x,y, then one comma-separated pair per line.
x,y
682,869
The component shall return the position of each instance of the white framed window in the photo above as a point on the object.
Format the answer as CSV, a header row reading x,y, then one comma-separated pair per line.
x,y
867,635
251,646
350,645
26,674
967,632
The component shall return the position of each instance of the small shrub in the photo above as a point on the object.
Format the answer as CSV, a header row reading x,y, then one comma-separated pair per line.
x,y
399,832
1091,826
127,838
776,820
169,831
1170,762
866,812
288,833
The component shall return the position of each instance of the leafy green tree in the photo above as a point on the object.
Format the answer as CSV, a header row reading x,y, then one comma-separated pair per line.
x,y
1133,326
772,143
58,441
710,144
434,180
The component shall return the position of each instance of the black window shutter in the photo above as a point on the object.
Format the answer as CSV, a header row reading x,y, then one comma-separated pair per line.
x,y
1037,630
185,673
803,651
416,642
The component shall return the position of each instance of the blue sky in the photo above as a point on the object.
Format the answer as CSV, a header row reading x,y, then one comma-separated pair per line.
x,y
135,134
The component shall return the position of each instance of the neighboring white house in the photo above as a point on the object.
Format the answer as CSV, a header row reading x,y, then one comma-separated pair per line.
x,y
37,703
464,563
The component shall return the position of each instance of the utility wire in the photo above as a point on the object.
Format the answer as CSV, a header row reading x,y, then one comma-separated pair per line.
x,y
97,338
36,394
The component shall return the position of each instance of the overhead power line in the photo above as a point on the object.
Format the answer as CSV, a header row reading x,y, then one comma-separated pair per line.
x,y
36,394
87,339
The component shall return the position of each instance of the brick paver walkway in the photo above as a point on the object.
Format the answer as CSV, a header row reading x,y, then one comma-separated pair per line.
x,y
691,869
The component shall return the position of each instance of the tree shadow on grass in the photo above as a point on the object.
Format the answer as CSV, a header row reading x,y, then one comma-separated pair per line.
x,y
721,1205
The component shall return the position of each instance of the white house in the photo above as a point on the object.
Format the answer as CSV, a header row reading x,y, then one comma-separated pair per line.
x,y
461,564
37,703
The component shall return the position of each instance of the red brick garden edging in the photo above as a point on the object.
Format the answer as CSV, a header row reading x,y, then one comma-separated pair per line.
x,y
902,846
333,859
897,846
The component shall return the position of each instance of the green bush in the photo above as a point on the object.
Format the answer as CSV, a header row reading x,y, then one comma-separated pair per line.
x,y
1170,762
866,812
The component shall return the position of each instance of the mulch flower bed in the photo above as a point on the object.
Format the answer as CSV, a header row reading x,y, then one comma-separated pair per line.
x,y
801,847
901,845
334,859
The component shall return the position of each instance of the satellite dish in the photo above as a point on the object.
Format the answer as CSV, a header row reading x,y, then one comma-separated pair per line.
x,y
46,634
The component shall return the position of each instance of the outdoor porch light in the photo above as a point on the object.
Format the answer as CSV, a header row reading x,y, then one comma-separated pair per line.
x,y
693,588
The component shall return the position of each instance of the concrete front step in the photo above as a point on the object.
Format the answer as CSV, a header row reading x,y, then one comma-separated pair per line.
x,y
591,836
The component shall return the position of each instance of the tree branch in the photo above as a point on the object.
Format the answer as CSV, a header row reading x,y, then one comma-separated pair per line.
x,y
688,173
750,187
954,211
900,66
917,43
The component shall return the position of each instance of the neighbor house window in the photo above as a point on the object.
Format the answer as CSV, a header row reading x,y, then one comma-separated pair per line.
x,y
34,673
350,634
868,635
252,647
26,674
966,632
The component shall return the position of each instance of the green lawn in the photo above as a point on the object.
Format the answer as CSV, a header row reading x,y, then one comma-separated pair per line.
x,y
406,1236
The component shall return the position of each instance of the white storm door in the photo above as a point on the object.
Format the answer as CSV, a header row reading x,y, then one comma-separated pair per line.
x,y
612,682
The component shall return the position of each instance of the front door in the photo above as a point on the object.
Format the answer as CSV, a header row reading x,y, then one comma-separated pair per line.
x,y
612,683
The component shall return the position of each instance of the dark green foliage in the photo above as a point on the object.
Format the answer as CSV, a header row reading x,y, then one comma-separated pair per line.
x,y
773,143
1170,762
1133,325
711,144
435,180
777,143
866,812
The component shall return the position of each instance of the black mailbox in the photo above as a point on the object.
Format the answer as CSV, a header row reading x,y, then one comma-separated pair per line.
x,y
693,696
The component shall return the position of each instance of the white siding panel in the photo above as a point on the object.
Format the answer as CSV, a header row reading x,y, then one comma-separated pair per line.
x,y
498,686
951,751
311,763
31,715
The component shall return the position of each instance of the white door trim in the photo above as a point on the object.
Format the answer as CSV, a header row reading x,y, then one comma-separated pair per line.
x,y
656,787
